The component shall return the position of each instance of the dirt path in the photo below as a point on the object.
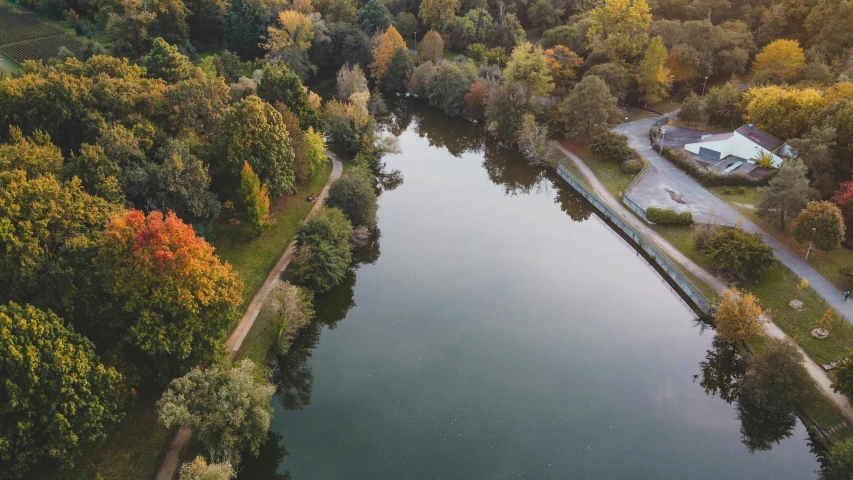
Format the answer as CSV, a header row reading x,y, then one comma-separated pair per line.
x,y
235,340
816,371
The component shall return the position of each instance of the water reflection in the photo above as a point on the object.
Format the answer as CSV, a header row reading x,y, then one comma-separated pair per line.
x,y
265,466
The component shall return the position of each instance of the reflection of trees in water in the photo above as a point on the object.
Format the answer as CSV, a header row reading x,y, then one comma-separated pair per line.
x,y
292,373
265,466
721,374
569,201
508,169
457,135
722,370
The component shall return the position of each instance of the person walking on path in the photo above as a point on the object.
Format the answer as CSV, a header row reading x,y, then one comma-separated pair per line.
x,y
846,295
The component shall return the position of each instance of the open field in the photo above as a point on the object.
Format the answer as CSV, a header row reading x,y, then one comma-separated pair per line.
x,y
23,36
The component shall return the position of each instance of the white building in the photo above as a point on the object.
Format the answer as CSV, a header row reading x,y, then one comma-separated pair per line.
x,y
744,144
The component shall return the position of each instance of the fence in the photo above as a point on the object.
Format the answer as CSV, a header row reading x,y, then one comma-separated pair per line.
x,y
684,284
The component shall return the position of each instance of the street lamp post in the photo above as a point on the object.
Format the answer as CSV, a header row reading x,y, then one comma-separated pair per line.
x,y
811,243
662,134
703,86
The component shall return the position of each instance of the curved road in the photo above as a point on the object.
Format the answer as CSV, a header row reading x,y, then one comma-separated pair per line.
x,y
235,340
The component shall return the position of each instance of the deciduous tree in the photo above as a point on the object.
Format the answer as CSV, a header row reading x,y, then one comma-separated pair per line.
x,y
435,13
252,131
323,250
374,17
255,199
383,53
532,139
843,199
351,80
739,252
653,78
280,84
355,196
431,47
176,299
787,193
619,29
57,396
589,106
529,66
691,109
821,223
228,408
784,112
775,378
782,59
199,469
35,155
563,64
738,316
816,150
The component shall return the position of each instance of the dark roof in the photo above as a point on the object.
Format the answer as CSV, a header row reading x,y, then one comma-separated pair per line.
x,y
763,139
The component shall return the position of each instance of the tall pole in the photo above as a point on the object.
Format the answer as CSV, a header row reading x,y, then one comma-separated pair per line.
x,y
703,86
811,242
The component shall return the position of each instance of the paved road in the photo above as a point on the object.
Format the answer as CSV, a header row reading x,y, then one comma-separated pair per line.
x,y
662,177
772,330
235,340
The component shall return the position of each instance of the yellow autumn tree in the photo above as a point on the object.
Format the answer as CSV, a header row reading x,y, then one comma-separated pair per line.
x,y
653,78
738,316
781,58
294,29
783,111
620,28
383,52
825,322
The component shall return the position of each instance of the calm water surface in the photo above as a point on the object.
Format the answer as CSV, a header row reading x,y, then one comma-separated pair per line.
x,y
497,329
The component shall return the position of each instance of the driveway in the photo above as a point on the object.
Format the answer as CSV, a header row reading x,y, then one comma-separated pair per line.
x,y
665,186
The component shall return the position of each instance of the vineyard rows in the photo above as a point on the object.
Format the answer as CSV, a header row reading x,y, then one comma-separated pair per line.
x,y
24,37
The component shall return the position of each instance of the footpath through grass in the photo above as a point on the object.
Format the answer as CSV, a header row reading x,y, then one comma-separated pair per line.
x,y
827,264
254,256
607,172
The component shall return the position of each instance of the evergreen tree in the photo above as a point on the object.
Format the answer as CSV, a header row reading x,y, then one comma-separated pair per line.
x,y
373,17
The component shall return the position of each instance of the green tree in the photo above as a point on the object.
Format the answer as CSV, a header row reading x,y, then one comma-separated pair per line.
x,y
435,13
164,61
253,131
175,300
245,28
775,378
508,32
228,408
816,150
739,252
821,223
57,396
528,66
255,199
840,463
738,317
399,71
447,89
279,84
616,76
691,109
588,107
323,250
545,14
654,78
406,23
619,29
373,17
35,154
100,175
844,375
355,196
459,33
48,236
569,36
505,107
351,80
431,47
483,24
723,105
787,193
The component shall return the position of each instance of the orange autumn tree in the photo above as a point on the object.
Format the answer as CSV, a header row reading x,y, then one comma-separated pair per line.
x,y
563,64
175,298
383,52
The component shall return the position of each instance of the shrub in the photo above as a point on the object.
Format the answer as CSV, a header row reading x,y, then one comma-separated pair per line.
x,y
668,217
739,252
611,146
632,165
702,233
354,194
712,179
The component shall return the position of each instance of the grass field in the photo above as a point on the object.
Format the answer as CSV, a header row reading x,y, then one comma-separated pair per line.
x,y
254,256
608,172
827,264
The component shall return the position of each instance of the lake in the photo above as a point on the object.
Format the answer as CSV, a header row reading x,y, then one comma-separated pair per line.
x,y
497,329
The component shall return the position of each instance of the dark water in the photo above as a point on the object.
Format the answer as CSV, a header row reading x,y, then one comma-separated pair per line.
x,y
497,329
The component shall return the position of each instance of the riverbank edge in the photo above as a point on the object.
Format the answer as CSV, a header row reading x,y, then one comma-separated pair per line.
x,y
711,283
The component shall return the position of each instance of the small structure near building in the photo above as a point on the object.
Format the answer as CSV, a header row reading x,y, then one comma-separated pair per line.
x,y
746,145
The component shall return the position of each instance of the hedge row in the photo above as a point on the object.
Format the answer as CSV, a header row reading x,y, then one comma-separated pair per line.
x,y
712,179
662,216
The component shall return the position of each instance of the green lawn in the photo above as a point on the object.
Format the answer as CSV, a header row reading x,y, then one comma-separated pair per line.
x,y
134,450
607,172
254,256
826,263
260,339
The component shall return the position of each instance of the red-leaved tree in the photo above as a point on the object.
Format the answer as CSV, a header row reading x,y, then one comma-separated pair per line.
x,y
843,198
175,298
